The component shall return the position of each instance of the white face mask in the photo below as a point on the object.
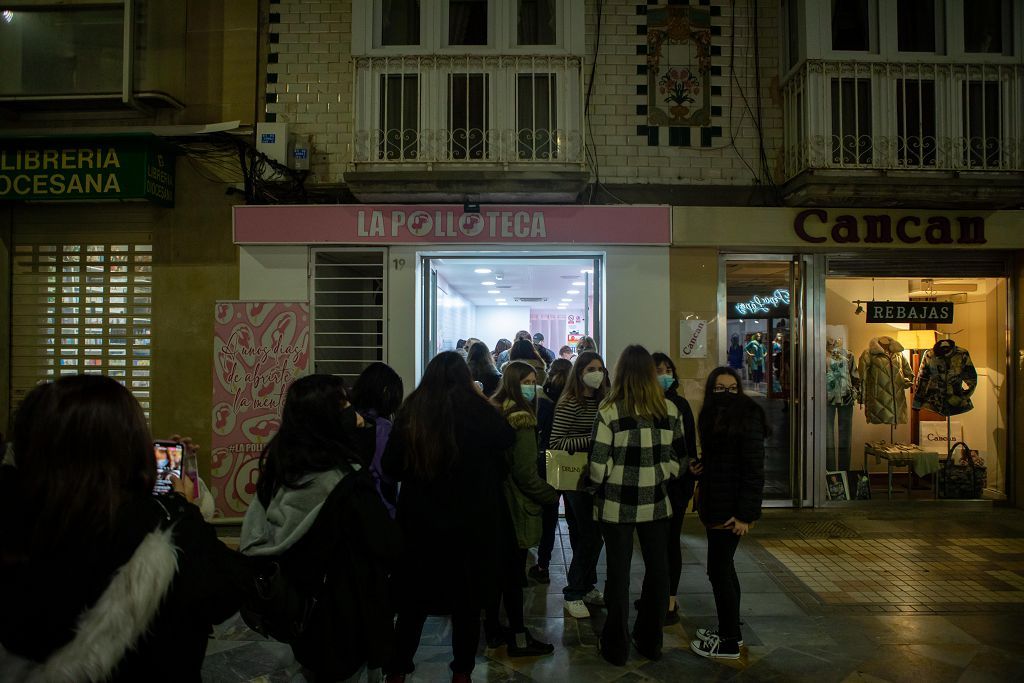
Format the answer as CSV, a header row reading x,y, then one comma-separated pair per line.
x,y
594,379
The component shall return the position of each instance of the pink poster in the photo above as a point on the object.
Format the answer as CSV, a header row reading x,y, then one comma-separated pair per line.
x,y
259,348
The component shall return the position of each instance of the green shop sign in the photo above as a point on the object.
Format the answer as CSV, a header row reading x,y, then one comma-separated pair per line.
x,y
121,167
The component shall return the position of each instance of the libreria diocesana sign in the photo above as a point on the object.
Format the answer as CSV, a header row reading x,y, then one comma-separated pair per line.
x,y
127,167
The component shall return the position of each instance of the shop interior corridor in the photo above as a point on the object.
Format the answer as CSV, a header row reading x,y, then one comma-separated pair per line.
x,y
897,593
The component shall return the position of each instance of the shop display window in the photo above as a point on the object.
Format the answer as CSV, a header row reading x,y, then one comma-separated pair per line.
x,y
901,395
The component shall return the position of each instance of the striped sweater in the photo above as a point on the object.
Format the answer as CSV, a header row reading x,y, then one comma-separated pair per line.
x,y
631,461
573,424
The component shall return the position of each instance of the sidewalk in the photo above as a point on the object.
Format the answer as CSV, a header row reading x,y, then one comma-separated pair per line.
x,y
918,592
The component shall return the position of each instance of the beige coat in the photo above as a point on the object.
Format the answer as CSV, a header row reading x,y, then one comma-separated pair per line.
x,y
886,374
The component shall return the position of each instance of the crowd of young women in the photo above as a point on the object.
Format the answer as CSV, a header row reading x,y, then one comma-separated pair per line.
x,y
383,511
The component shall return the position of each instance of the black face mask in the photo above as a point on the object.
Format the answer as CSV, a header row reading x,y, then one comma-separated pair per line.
x,y
362,440
724,399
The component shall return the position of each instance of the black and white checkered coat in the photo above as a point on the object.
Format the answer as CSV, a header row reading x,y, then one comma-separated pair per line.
x,y
631,461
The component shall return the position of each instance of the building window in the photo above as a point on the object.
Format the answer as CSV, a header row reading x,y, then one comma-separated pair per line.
x,y
988,27
82,308
468,115
399,22
793,28
851,26
399,116
537,116
915,122
467,22
536,22
982,116
851,121
916,25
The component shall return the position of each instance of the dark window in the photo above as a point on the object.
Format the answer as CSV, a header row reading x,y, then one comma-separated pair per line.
x,y
915,25
536,116
851,121
915,121
850,25
399,116
793,31
468,115
467,22
987,26
400,22
536,22
982,123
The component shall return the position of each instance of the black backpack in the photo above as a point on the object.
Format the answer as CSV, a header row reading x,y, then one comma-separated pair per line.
x,y
275,607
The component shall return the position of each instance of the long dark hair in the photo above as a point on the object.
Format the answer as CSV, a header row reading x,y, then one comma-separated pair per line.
x,y
428,417
558,375
312,437
663,359
713,422
574,386
481,363
524,349
378,389
82,449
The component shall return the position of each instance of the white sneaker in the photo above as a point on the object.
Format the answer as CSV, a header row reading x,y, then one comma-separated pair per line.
x,y
705,633
595,598
714,647
577,609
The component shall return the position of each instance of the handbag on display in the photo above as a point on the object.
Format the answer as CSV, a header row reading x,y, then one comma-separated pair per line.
x,y
964,478
564,468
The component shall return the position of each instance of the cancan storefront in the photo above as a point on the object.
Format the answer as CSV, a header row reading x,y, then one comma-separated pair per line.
x,y
877,341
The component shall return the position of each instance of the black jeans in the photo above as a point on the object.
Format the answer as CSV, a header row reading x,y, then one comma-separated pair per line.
x,y
675,550
549,520
465,639
650,617
510,588
582,575
722,545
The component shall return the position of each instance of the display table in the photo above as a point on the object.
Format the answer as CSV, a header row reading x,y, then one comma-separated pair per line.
x,y
910,456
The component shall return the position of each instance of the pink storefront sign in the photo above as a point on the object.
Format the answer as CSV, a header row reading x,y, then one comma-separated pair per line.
x,y
259,349
450,224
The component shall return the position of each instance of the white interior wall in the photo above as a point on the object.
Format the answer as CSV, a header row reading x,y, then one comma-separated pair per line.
x,y
456,316
500,322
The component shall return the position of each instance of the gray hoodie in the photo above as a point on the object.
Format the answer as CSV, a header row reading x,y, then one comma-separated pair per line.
x,y
273,530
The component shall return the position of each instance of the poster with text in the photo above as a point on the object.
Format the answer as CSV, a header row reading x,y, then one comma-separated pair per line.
x,y
573,330
259,348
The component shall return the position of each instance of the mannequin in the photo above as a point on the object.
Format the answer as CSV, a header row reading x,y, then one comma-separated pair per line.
x,y
946,379
843,387
778,345
735,353
886,374
755,353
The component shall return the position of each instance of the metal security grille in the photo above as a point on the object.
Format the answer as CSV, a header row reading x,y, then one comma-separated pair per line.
x,y
82,308
960,263
349,310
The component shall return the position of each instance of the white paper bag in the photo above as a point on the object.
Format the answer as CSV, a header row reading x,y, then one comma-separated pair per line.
x,y
564,469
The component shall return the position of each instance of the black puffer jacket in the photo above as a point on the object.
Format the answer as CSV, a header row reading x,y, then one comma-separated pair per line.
x,y
136,607
680,489
732,483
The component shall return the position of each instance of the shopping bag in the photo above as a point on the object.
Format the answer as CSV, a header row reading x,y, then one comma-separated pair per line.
x,y
564,469
965,479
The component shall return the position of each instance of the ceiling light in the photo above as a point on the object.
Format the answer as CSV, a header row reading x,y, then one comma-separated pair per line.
x,y
503,304
579,284
482,271
489,283
494,291
501,299
572,291
568,301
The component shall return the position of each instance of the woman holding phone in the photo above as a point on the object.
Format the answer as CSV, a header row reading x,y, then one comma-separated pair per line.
x,y
732,431
83,537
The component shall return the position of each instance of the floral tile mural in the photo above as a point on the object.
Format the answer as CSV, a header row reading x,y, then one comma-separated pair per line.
x,y
679,66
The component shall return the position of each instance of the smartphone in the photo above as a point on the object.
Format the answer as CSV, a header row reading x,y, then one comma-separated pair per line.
x,y
190,469
170,457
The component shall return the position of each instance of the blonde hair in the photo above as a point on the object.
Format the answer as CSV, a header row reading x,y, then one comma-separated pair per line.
x,y
636,385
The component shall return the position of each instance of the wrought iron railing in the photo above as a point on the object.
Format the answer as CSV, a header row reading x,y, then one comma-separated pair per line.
x,y
468,109
888,116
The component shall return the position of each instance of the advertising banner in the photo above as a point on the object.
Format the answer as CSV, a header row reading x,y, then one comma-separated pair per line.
x,y
259,348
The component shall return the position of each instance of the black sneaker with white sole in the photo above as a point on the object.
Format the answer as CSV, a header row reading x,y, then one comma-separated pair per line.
x,y
714,647
704,633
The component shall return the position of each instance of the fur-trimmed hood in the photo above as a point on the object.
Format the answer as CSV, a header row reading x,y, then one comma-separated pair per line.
x,y
518,419
875,346
113,626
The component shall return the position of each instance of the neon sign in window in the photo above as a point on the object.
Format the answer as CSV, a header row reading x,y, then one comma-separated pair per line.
x,y
764,304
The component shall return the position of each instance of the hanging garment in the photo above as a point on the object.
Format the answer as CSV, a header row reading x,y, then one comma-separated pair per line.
x,y
841,378
946,380
756,351
886,374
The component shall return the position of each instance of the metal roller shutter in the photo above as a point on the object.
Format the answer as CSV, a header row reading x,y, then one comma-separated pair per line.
x,y
919,265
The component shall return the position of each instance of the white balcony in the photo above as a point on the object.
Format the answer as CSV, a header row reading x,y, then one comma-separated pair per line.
x,y
881,116
502,112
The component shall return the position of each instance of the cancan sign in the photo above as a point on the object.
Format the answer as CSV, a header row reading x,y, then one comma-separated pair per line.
x,y
939,312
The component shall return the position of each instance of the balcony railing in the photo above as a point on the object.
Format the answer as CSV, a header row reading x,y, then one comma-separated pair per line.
x,y
904,116
502,109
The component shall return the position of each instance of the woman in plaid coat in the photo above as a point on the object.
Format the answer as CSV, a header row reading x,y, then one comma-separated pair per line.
x,y
638,446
